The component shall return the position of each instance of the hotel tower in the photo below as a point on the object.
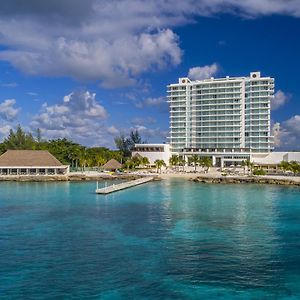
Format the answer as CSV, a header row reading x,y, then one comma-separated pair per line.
x,y
222,115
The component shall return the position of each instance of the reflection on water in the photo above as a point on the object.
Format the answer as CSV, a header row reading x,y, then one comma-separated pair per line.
x,y
171,239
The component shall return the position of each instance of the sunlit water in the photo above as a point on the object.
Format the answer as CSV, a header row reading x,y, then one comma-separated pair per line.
x,y
163,240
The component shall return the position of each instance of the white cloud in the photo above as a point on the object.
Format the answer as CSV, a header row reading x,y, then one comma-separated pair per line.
x,y
4,130
112,42
290,134
159,102
276,132
205,72
280,98
143,121
8,111
78,116
113,130
9,85
155,134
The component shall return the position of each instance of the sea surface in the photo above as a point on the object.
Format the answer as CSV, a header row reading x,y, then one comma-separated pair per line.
x,y
173,239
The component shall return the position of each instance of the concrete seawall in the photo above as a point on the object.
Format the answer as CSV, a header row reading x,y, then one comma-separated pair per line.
x,y
69,177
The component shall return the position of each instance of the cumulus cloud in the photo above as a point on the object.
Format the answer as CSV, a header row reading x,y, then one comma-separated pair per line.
x,y
160,103
111,42
280,98
143,121
78,116
149,134
8,111
289,134
205,72
276,132
4,130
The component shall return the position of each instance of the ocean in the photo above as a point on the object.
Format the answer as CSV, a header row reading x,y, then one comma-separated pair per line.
x,y
173,239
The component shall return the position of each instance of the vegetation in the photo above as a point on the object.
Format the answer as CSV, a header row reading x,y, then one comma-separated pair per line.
x,y
247,163
259,172
206,162
174,160
159,163
126,144
194,159
292,166
68,152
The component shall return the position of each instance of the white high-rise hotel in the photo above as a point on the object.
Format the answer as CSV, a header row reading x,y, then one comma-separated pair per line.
x,y
224,115
225,119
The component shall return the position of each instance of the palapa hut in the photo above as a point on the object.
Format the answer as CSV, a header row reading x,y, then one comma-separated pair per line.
x,y
30,162
112,165
137,155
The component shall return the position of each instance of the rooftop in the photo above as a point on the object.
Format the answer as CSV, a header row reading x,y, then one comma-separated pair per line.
x,y
28,158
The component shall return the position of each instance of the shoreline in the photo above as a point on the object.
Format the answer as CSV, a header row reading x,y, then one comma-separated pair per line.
x,y
211,178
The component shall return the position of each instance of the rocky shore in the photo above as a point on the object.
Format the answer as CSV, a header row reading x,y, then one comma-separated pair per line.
x,y
279,180
69,177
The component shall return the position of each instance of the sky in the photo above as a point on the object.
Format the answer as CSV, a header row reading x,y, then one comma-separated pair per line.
x,y
91,70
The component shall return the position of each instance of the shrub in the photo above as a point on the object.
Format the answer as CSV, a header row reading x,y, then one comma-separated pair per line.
x,y
259,172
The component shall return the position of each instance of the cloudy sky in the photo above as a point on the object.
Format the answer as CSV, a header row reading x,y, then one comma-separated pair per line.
x,y
88,70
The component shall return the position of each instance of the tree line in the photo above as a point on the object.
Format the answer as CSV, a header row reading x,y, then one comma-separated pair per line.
x,y
69,152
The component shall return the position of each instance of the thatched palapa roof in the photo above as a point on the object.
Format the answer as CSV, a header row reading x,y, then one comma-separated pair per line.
x,y
112,165
28,158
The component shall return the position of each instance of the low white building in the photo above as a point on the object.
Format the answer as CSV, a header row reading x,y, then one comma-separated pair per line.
x,y
220,157
153,152
274,158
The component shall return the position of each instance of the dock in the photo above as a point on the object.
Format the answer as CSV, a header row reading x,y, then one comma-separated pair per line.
x,y
123,185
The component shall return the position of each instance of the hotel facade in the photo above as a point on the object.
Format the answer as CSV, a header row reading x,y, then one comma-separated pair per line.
x,y
224,114
227,119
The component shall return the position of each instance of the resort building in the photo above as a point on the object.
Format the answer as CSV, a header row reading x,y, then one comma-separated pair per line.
x,y
30,162
153,152
229,114
225,119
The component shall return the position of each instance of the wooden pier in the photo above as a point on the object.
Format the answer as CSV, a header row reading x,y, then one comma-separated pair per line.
x,y
123,185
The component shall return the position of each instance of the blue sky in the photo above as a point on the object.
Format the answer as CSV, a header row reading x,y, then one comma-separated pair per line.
x,y
89,70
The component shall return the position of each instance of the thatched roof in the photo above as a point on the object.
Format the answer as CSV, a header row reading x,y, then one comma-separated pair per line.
x,y
28,158
137,155
112,165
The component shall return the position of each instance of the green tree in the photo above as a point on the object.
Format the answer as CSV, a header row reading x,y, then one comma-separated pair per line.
x,y
122,143
126,144
19,140
159,163
181,162
145,161
206,162
294,167
194,159
174,160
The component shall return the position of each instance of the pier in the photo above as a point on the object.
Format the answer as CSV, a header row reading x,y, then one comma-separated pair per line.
x,y
123,185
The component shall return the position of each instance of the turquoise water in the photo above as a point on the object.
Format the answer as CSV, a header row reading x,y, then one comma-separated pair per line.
x,y
164,240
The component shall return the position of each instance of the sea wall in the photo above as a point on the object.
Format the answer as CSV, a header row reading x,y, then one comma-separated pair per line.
x,y
69,177
252,179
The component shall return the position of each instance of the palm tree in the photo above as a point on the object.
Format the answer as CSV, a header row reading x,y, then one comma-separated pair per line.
x,y
159,163
83,159
194,159
244,165
206,162
174,160
129,164
145,161
284,165
294,167
181,162
100,160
